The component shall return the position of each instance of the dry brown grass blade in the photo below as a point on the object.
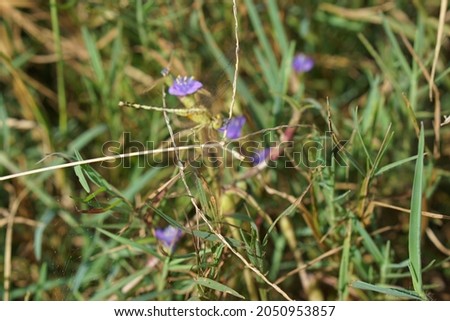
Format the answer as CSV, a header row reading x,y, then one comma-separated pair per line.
x,y
433,88
434,239
405,210
19,124
311,263
440,33
369,14
25,22
18,4
8,243
19,220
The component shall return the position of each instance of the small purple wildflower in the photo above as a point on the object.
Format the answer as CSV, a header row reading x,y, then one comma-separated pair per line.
x,y
168,236
261,156
302,63
233,127
183,86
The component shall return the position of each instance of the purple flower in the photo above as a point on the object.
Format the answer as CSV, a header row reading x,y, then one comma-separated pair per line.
x,y
261,156
302,63
233,127
168,236
183,86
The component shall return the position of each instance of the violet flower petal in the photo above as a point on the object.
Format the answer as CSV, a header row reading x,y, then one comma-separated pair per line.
x,y
233,127
168,236
183,86
302,63
261,156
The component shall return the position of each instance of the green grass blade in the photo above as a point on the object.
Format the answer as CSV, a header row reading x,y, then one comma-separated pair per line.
x,y
415,220
416,73
260,33
386,70
369,243
278,26
18,293
117,49
140,22
62,102
79,172
128,242
140,182
358,131
344,272
277,257
254,248
371,109
269,75
397,292
384,269
218,286
354,162
43,276
384,146
291,209
39,232
107,291
396,48
94,55
394,165
5,132
281,86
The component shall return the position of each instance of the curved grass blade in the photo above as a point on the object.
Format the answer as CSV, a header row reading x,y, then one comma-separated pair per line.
x,y
39,232
400,293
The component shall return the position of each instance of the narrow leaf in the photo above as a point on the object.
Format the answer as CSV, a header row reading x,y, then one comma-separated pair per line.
x,y
218,286
79,172
415,219
397,292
